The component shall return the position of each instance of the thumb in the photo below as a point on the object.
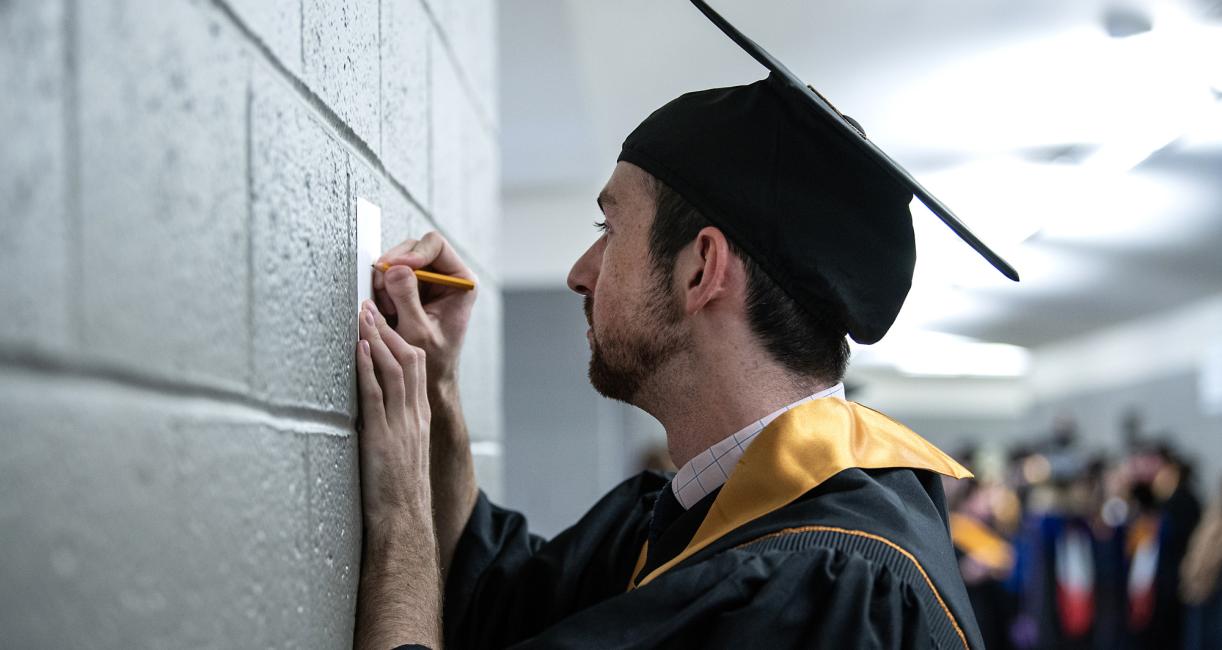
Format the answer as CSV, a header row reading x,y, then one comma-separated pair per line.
x,y
404,291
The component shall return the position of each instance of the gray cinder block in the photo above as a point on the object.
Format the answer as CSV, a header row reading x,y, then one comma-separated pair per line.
x,y
448,120
195,482
341,61
33,166
128,521
335,538
481,200
304,291
277,23
365,182
465,195
405,95
470,27
401,220
480,45
163,189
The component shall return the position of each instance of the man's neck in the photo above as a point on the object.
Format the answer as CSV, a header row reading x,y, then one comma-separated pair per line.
x,y
700,404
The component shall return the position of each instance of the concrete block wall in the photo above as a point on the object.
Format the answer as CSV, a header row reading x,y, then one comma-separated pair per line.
x,y
178,182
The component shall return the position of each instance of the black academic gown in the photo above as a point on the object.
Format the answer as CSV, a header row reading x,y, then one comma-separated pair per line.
x,y
1180,515
830,533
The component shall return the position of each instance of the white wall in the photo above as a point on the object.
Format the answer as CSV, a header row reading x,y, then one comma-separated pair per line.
x,y
545,232
1165,367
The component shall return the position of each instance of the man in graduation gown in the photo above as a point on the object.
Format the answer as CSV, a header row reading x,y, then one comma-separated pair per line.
x,y
743,239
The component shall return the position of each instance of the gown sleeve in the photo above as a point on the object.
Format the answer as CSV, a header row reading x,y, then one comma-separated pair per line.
x,y
813,599
506,584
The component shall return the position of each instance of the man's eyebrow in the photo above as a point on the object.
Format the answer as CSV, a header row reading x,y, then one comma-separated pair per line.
x,y
604,199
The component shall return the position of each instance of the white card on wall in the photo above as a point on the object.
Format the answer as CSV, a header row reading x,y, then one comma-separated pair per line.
x,y
368,247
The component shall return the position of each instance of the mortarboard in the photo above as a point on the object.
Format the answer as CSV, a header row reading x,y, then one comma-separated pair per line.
x,y
796,185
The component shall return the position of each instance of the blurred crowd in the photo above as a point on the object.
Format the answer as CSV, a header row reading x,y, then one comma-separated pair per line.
x,y
1064,549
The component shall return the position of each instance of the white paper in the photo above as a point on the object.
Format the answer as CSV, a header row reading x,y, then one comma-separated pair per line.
x,y
368,247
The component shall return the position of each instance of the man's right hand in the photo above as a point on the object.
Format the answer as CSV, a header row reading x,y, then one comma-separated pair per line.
x,y
428,316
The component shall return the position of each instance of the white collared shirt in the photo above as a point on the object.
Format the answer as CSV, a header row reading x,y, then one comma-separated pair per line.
x,y
710,469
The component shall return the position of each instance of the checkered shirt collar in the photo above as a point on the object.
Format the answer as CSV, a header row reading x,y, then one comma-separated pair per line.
x,y
710,469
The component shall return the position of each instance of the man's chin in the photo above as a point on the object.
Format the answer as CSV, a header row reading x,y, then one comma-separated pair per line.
x,y
610,382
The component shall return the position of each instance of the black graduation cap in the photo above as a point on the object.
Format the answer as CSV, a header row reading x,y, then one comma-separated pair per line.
x,y
798,186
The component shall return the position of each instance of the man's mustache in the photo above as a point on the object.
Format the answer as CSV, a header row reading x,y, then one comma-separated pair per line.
x,y
588,305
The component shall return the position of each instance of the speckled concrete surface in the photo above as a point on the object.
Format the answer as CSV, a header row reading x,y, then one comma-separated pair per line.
x,y
34,229
163,208
178,466
276,24
405,94
303,255
340,49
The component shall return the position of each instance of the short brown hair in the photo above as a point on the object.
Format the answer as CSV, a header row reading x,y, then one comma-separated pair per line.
x,y
807,342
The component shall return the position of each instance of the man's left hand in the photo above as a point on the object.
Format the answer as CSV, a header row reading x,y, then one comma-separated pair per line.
x,y
399,599
394,439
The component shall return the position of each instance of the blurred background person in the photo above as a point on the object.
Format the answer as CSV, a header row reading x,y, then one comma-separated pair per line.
x,y
1167,512
1200,587
1065,548
1057,582
986,557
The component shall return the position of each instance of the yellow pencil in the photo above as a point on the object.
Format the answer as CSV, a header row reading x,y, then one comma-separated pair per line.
x,y
435,278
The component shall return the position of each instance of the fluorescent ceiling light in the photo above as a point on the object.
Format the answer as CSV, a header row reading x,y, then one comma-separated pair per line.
x,y
1207,132
1009,201
1127,96
1167,73
1134,210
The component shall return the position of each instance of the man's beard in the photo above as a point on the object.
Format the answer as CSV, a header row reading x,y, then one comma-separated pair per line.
x,y
622,361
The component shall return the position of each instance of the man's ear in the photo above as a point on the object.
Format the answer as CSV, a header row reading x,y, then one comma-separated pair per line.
x,y
706,270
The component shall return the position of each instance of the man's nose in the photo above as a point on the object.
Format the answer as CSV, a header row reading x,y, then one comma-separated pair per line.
x,y
584,273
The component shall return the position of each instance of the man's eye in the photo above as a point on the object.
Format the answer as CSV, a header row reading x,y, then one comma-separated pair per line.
x,y
601,226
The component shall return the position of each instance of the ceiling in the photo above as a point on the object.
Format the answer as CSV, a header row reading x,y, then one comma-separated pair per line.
x,y
1082,139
